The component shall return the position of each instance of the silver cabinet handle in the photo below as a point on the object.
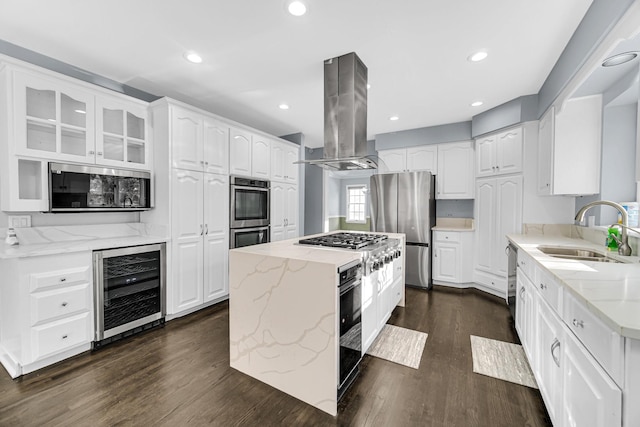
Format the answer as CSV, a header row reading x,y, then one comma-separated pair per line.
x,y
202,162
556,344
493,168
206,229
206,163
578,323
64,303
435,255
63,279
92,152
201,229
99,153
497,167
543,286
521,292
65,336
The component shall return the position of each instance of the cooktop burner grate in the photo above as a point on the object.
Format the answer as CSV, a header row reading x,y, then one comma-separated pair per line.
x,y
345,240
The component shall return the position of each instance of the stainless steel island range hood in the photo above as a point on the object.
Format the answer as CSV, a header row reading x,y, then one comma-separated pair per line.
x,y
345,115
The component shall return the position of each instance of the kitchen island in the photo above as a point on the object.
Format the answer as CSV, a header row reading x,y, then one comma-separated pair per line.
x,y
284,314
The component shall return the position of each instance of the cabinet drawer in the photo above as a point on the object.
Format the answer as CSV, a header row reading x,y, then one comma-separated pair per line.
x,y
606,346
446,236
60,277
49,305
549,289
526,264
59,336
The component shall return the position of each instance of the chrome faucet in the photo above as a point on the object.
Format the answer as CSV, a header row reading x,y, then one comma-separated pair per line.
x,y
623,242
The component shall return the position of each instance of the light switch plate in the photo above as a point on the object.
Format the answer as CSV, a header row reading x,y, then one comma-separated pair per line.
x,y
19,221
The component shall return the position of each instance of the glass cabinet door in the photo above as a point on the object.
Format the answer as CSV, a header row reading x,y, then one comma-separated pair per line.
x,y
52,120
121,135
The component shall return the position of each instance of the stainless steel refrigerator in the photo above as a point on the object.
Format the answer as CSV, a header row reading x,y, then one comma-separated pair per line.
x,y
405,203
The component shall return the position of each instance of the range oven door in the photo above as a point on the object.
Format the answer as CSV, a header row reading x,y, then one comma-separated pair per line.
x,y
248,236
350,293
250,203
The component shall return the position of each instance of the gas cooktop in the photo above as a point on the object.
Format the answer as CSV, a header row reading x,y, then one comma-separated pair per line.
x,y
345,240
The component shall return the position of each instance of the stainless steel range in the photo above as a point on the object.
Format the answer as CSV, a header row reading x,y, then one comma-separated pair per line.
x,y
377,249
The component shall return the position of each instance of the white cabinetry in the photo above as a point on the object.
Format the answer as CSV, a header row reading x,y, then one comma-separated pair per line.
x,y
48,117
283,158
451,162
193,203
452,256
199,143
250,154
500,153
284,211
200,239
498,212
577,361
455,176
420,158
122,135
46,310
570,141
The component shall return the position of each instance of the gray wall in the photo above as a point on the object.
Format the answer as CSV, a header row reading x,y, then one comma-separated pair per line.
x,y
313,193
430,135
332,195
522,109
598,21
617,182
343,193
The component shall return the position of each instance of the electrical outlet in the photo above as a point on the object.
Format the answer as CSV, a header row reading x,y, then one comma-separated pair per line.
x,y
19,221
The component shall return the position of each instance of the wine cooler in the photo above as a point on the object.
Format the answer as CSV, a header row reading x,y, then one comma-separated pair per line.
x,y
130,291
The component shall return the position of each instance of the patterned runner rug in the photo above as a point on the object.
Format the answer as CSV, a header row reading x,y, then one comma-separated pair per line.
x,y
502,360
399,345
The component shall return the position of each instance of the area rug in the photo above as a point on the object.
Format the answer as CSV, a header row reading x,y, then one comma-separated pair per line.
x,y
399,345
502,360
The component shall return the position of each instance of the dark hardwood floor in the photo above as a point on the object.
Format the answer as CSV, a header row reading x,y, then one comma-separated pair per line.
x,y
180,375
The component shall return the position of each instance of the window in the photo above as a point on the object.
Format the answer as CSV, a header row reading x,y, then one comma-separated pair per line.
x,y
356,199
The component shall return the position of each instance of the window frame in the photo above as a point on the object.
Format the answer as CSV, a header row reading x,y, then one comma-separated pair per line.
x,y
364,189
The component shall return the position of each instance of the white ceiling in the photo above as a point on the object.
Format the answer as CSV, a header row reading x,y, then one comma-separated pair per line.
x,y
257,56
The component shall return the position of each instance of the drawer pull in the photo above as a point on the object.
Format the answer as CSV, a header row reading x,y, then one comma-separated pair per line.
x,y
556,344
65,336
63,279
64,303
543,286
578,323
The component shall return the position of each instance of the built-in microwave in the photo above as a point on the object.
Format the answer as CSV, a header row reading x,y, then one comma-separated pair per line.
x,y
249,204
84,188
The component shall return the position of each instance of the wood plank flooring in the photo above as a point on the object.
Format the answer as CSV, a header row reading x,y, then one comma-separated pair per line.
x,y
180,375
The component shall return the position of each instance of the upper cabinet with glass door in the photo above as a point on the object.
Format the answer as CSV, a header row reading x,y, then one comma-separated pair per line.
x,y
121,134
52,119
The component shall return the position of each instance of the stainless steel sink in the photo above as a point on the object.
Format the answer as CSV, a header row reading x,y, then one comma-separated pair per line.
x,y
578,254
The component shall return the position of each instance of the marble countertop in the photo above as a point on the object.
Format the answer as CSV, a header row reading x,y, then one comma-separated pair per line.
x,y
611,291
38,241
292,250
454,224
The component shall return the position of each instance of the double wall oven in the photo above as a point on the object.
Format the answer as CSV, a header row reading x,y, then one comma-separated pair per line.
x,y
249,211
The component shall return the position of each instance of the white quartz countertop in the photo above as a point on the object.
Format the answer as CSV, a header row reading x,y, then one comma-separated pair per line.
x,y
454,224
611,291
38,241
292,250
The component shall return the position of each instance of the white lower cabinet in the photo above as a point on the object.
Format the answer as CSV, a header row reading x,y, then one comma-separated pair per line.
x,y
200,247
577,385
369,310
452,257
589,395
46,310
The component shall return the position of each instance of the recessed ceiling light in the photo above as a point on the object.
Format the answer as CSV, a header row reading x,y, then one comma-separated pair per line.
x,y
620,58
297,8
283,106
193,57
478,56
476,103
394,118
